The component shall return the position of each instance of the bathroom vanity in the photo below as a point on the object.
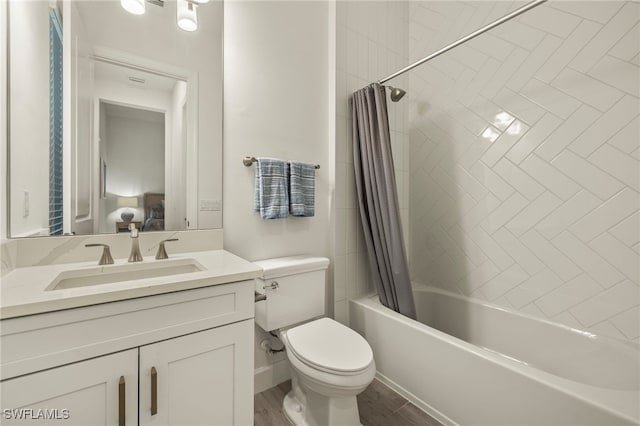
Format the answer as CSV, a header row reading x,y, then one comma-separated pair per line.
x,y
168,350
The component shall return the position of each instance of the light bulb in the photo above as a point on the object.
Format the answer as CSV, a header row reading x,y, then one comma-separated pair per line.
x,y
136,7
187,17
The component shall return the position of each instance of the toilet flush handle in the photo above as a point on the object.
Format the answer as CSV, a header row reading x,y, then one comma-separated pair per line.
x,y
273,286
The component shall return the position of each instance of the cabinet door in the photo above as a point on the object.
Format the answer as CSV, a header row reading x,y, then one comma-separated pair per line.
x,y
85,393
204,378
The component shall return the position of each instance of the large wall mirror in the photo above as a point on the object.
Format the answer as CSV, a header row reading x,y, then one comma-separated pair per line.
x,y
114,117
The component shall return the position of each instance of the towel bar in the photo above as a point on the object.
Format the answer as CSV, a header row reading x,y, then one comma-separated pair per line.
x,y
248,161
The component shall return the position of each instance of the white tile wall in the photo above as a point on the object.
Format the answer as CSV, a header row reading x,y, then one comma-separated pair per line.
x,y
536,209
606,126
371,43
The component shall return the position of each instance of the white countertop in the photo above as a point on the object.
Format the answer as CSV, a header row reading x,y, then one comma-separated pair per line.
x,y
23,290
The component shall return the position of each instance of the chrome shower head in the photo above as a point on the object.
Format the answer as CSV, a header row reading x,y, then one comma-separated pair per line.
x,y
396,93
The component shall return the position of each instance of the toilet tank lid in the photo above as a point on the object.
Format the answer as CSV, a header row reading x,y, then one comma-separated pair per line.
x,y
283,266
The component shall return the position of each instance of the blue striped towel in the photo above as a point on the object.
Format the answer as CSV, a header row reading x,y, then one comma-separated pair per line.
x,y
302,184
272,196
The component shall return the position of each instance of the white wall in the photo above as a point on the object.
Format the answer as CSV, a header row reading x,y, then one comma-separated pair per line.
x,y
29,119
3,123
275,104
135,149
175,162
538,213
371,43
135,163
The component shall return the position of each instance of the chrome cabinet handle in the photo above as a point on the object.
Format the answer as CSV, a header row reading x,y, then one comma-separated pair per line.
x,y
121,402
154,391
259,297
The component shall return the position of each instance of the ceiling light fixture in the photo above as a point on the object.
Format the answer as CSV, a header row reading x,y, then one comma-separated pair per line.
x,y
136,7
187,16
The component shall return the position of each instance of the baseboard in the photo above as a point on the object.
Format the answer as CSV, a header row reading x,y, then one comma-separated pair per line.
x,y
270,375
415,400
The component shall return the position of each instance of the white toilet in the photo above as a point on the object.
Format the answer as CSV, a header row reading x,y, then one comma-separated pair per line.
x,y
330,363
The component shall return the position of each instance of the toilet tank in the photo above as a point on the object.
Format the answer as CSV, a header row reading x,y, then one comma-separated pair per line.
x,y
295,290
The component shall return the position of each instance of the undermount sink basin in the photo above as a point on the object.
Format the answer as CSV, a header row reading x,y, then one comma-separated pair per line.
x,y
109,274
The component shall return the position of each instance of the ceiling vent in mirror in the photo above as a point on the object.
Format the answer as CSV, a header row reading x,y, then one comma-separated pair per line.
x,y
137,79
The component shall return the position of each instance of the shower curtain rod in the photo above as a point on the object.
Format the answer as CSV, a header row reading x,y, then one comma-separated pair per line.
x,y
474,34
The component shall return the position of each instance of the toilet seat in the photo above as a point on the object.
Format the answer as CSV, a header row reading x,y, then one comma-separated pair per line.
x,y
329,346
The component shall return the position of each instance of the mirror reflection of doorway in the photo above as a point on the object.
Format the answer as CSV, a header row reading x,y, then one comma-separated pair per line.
x,y
144,178
132,144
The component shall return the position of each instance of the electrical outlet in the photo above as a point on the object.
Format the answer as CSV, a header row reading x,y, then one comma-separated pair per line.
x,y
25,203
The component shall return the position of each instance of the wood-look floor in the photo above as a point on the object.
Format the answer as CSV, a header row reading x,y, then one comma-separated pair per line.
x,y
378,406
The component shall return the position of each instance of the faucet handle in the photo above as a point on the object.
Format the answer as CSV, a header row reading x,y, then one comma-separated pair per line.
x,y
162,253
134,230
106,258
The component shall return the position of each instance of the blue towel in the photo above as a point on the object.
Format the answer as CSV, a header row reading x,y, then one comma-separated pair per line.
x,y
302,184
272,195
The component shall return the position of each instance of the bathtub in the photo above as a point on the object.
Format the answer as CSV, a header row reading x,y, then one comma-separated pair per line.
x,y
471,363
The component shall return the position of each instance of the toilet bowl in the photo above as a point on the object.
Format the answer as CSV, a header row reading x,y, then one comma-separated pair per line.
x,y
330,363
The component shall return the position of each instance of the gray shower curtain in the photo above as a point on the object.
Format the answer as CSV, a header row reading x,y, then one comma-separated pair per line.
x,y
378,199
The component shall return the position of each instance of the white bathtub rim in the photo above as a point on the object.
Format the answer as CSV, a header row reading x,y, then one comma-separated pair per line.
x,y
612,341
420,404
628,409
616,341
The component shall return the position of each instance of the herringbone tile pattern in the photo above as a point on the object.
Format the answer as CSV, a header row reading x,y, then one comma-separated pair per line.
x,y
525,159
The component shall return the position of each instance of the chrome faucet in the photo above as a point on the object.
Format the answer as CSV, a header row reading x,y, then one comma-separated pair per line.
x,y
162,252
135,255
106,258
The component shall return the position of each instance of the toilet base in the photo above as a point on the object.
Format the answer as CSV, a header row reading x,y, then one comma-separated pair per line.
x,y
319,410
293,410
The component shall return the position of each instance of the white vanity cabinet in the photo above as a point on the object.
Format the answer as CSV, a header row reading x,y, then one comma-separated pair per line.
x,y
190,353
84,393
199,379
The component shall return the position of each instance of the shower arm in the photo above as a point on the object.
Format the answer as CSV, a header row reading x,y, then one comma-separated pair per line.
x,y
474,34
